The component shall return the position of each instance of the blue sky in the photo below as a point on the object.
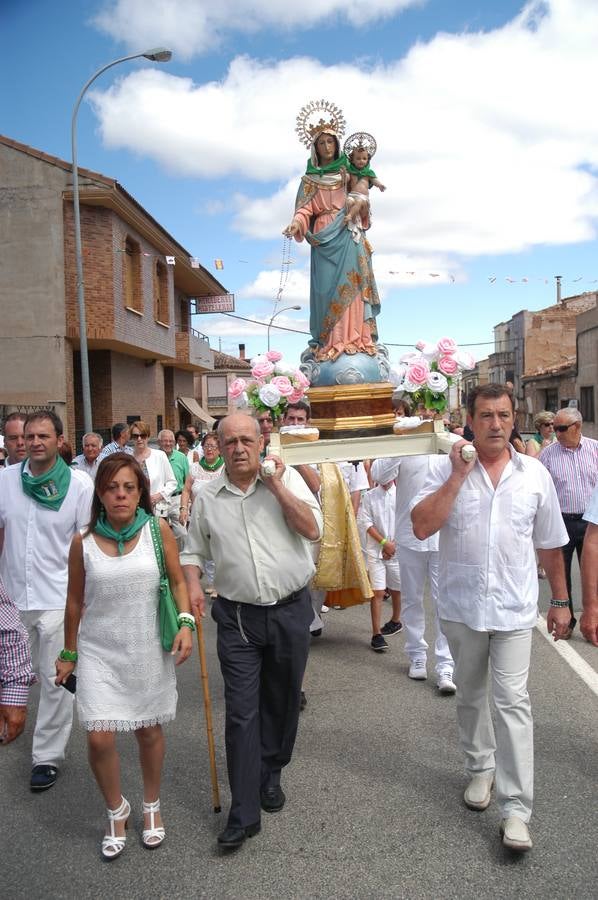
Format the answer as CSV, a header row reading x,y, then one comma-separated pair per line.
x,y
483,113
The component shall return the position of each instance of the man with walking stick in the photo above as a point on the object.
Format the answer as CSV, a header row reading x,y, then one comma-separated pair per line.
x,y
257,528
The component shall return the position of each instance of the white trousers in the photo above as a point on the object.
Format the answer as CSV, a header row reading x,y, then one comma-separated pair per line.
x,y
415,567
509,748
55,711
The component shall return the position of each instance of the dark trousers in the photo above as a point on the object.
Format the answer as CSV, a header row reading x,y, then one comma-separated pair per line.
x,y
576,529
263,652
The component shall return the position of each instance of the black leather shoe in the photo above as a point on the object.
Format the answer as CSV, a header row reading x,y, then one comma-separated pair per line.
x,y
272,799
233,837
43,777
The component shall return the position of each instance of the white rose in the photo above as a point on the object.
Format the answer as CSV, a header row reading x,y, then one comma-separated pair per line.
x,y
437,382
397,374
282,367
269,395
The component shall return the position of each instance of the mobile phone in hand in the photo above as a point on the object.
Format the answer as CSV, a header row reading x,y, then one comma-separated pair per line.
x,y
71,683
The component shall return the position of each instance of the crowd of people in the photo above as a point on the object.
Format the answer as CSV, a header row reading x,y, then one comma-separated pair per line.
x,y
119,532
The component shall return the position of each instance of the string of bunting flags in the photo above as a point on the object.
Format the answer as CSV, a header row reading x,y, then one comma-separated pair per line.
x,y
494,279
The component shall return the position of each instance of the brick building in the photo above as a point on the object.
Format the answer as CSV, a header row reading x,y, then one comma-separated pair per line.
x,y
143,352
212,387
551,365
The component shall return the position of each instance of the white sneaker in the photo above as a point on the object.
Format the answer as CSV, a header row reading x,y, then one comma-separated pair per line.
x,y
515,834
417,670
478,791
445,683
325,608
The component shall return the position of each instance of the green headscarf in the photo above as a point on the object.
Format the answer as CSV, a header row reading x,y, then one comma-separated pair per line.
x,y
50,488
125,534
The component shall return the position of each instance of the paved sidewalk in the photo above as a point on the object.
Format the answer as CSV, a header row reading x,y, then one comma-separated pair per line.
x,y
374,797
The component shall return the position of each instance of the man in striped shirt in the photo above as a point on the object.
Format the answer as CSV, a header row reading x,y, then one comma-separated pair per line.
x,y
16,673
573,464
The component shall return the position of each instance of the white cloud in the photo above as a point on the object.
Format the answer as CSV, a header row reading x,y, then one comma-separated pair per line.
x,y
190,27
487,142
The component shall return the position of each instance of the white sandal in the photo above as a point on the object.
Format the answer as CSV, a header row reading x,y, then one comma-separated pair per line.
x,y
154,835
113,844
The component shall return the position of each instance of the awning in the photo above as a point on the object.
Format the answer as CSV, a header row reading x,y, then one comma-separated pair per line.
x,y
197,411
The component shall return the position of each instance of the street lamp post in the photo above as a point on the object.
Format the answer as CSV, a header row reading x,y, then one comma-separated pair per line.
x,y
157,55
284,309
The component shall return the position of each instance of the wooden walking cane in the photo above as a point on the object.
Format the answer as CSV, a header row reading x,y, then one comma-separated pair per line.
x,y
208,709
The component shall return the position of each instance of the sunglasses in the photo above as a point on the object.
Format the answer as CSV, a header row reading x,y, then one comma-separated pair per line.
x,y
137,435
562,428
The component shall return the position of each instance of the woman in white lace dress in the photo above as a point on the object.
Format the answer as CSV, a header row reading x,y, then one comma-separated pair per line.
x,y
125,680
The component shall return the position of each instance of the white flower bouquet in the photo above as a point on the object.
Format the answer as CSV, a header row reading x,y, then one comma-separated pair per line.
x,y
274,383
428,372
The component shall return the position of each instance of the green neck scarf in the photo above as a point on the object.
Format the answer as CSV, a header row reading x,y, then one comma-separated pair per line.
x,y
50,488
127,533
209,467
366,172
330,169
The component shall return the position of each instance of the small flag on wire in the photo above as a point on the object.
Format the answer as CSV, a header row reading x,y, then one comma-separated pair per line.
x,y
194,260
452,277
491,278
218,264
170,260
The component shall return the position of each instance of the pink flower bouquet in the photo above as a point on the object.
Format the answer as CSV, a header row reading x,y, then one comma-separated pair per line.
x,y
428,373
273,384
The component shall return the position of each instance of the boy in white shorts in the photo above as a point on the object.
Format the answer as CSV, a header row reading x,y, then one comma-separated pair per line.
x,y
376,520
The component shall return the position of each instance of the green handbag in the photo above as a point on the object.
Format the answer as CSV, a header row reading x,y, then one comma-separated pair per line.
x,y
167,608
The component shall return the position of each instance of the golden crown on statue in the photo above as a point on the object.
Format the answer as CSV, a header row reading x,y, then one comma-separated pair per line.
x,y
308,129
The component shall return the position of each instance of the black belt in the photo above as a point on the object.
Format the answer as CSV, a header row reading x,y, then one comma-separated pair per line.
x,y
573,516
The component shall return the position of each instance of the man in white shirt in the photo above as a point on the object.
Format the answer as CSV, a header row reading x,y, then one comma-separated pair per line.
x,y
418,561
491,513
14,438
258,530
88,461
42,504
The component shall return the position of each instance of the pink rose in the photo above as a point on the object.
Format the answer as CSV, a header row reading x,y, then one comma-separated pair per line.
x,y
300,379
236,388
447,365
283,385
417,373
273,355
262,369
446,346
295,396
420,345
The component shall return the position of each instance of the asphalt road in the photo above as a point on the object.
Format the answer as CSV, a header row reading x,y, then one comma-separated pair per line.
x,y
374,793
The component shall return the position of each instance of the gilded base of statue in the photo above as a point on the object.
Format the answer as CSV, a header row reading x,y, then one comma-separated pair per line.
x,y
352,410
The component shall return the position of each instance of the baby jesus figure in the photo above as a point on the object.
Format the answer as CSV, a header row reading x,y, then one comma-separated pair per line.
x,y
360,177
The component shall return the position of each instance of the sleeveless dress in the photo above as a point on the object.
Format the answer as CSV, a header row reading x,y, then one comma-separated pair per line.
x,y
125,680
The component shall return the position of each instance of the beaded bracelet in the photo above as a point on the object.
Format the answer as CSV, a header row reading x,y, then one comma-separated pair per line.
x,y
383,541
559,604
185,623
185,616
68,655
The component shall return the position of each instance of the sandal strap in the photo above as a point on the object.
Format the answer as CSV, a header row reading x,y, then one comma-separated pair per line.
x,y
121,812
153,807
112,845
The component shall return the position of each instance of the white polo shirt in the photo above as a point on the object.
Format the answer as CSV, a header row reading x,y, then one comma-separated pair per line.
x,y
37,540
487,568
377,508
